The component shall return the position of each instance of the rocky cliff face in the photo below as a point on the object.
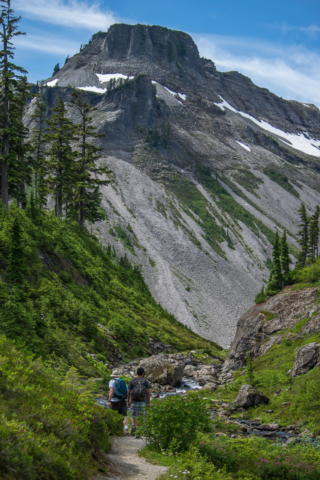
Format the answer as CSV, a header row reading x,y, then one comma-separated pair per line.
x,y
288,315
206,167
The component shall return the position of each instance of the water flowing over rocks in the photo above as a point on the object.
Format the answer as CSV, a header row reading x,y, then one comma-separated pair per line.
x,y
167,371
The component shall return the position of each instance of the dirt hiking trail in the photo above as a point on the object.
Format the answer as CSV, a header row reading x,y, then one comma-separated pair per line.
x,y
125,463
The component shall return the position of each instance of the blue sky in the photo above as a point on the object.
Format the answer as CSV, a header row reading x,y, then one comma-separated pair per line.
x,y
275,42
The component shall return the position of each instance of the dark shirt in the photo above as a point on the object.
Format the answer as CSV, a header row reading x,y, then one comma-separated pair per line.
x,y
146,384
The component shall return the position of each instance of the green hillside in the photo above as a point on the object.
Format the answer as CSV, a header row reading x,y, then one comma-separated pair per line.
x,y
61,292
66,303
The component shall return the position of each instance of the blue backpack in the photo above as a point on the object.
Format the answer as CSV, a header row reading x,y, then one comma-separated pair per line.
x,y
120,389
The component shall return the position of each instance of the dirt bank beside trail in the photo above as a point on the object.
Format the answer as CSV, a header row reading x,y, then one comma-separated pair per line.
x,y
125,463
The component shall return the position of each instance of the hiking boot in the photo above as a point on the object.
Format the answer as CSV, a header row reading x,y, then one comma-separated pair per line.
x,y
126,429
133,429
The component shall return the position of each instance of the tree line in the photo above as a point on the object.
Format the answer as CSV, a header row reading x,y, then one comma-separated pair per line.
x,y
57,159
308,239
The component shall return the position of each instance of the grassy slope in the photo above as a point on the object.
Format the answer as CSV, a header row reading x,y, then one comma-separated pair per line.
x,y
50,427
77,301
89,303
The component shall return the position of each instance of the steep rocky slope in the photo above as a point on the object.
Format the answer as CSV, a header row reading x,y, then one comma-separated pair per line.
x,y
286,317
206,167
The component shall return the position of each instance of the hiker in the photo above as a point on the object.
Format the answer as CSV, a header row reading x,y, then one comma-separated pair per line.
x,y
138,397
117,399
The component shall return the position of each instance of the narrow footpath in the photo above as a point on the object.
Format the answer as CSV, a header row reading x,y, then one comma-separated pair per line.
x,y
125,463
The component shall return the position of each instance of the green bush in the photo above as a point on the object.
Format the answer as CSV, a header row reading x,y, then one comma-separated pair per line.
x,y
174,421
309,274
49,423
291,468
219,453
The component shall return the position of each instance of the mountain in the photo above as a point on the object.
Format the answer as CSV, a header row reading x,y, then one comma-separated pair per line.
x,y
206,167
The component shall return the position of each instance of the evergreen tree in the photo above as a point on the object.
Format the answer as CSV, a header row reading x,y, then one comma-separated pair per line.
x,y
59,136
87,197
20,158
56,69
40,160
316,234
250,372
313,236
9,80
276,278
16,268
284,254
303,236
261,296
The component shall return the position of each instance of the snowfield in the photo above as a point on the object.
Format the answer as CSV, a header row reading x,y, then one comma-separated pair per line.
x,y
106,77
300,141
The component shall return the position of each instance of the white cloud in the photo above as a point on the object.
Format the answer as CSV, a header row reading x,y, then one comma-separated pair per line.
x,y
311,30
50,45
69,13
290,72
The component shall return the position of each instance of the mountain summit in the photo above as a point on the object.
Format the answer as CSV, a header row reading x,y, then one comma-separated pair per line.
x,y
207,166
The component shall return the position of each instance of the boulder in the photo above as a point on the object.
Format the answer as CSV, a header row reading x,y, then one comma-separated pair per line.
x,y
307,357
205,374
249,397
210,386
163,370
188,371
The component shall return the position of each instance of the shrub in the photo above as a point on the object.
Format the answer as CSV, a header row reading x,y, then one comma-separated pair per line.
x,y
49,423
286,468
175,421
309,274
219,453
260,297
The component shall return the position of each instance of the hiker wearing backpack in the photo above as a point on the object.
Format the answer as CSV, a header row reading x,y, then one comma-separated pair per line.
x,y
117,399
138,397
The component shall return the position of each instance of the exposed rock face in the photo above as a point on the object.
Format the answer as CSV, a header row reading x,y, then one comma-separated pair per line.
x,y
249,397
206,374
257,329
204,264
156,346
307,357
163,370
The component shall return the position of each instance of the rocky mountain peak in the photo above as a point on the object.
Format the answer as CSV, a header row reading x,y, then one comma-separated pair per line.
x,y
207,166
163,54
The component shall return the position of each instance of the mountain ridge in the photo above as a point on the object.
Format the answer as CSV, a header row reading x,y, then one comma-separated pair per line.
x,y
203,237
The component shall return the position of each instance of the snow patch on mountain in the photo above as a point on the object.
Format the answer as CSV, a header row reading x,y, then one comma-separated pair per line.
x,y
53,83
106,77
244,146
93,89
300,141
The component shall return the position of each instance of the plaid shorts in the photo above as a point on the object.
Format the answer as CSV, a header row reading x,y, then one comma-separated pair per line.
x,y
137,409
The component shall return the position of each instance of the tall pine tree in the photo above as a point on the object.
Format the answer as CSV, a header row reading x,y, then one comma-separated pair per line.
x,y
40,159
276,277
9,79
87,179
313,236
284,254
59,136
20,157
303,236
16,264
